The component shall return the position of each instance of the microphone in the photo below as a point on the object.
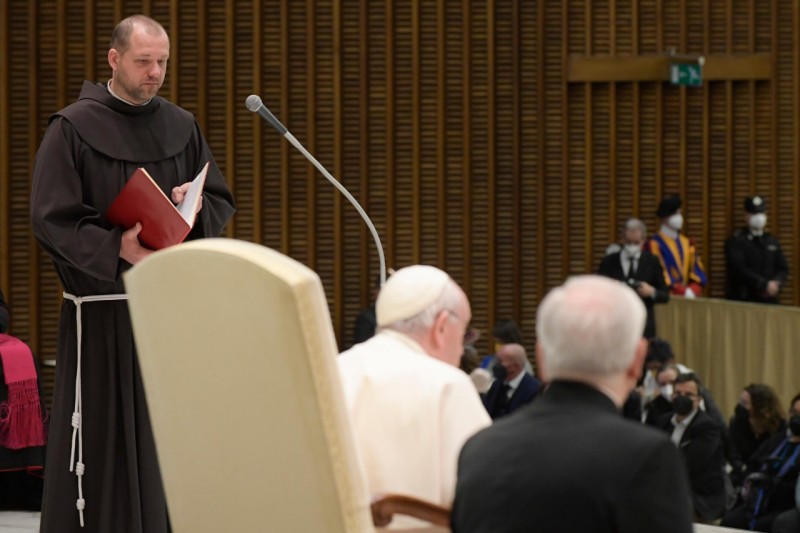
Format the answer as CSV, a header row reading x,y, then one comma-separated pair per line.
x,y
255,105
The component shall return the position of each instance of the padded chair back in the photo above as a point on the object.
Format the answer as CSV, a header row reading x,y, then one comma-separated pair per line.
x,y
237,354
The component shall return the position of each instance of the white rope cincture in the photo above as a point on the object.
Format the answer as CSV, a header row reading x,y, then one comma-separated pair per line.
x,y
77,425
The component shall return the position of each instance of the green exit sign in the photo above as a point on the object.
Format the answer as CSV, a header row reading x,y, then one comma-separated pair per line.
x,y
689,74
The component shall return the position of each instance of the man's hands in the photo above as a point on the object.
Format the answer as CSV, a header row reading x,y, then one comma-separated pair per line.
x,y
645,290
130,249
773,288
179,193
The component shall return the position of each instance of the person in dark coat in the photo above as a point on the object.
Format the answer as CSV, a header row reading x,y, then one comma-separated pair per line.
x,y
769,498
512,387
112,480
757,268
640,269
569,461
4,316
699,438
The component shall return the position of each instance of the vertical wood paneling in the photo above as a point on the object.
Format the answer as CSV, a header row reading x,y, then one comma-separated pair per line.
x,y
33,280
310,141
231,112
390,131
466,140
491,150
540,281
5,152
285,92
452,122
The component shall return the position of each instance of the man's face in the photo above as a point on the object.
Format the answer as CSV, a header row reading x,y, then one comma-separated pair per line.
x,y
139,71
667,377
744,400
634,236
510,362
687,388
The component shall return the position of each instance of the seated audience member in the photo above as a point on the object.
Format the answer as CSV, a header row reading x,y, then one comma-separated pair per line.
x,y
570,462
757,268
364,327
699,438
512,387
410,406
659,355
504,332
4,317
640,269
22,425
470,360
662,404
757,417
683,270
769,489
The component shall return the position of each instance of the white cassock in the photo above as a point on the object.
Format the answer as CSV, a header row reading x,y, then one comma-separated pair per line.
x,y
411,415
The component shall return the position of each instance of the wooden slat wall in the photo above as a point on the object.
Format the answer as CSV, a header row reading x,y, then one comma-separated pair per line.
x,y
451,121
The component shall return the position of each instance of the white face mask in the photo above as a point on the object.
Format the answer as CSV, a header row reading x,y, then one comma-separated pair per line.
x,y
675,221
758,221
632,250
666,392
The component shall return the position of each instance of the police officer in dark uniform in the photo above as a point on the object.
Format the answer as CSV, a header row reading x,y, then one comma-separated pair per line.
x,y
757,268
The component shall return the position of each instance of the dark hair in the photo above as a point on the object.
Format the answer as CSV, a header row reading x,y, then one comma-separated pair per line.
x,y
794,400
687,377
121,36
470,360
659,350
765,408
507,332
669,367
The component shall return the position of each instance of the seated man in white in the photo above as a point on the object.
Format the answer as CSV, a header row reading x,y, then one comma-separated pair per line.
x,y
410,406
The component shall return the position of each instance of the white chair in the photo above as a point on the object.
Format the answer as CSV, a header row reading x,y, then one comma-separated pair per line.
x,y
237,354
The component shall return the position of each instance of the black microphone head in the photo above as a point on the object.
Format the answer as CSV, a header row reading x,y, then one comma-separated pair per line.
x,y
253,102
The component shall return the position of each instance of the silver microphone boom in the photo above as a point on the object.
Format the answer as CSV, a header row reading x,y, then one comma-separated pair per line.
x,y
255,105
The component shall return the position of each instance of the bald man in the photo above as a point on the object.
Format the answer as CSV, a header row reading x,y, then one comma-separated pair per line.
x,y
410,406
512,387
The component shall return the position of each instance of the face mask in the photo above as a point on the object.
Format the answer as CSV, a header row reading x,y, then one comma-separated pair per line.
x,y
675,221
758,221
666,392
683,405
794,425
741,413
499,371
632,249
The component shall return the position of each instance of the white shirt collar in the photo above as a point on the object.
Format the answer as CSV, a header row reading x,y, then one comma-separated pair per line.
x,y
680,427
118,97
514,383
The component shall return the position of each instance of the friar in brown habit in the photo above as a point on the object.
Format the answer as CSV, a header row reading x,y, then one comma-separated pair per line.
x,y
101,471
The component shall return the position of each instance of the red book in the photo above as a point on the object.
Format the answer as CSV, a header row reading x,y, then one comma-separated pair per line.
x,y
163,223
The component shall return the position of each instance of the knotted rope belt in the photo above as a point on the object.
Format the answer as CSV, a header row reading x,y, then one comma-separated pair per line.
x,y
77,425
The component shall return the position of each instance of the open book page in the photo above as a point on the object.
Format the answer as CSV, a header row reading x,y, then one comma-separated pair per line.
x,y
188,207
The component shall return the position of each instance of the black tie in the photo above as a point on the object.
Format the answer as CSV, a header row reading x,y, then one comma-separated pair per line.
x,y
632,268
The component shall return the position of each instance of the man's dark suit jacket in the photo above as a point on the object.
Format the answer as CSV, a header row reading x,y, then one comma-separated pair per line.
x,y
524,394
570,462
702,449
648,270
